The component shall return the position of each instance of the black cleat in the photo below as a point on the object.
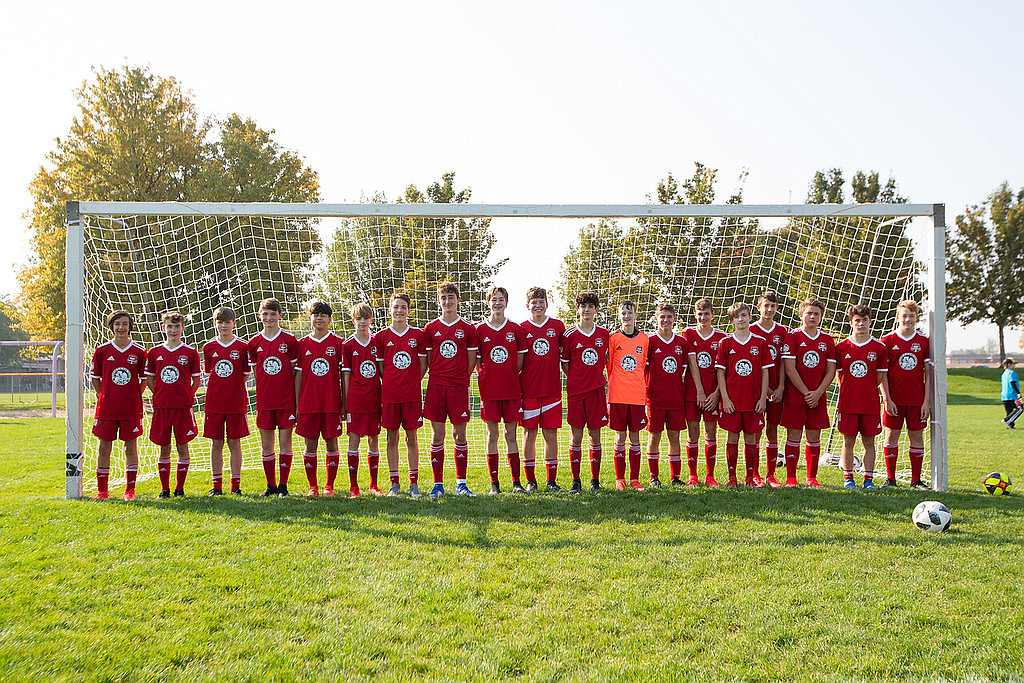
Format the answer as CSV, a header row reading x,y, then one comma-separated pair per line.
x,y
577,486
495,488
552,487
213,492
236,491
179,493
889,483
595,485
518,488
282,491
531,487
166,493
270,491
655,482
676,482
920,485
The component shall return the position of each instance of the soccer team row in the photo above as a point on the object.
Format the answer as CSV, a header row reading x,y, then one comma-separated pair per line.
x,y
759,376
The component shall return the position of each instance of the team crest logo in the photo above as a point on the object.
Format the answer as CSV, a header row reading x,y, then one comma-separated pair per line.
x,y
120,376
822,346
499,354
169,375
510,337
541,346
628,363
858,368
679,349
283,348
669,365
330,351
182,360
915,347
368,369
639,350
908,361
448,348
773,352
133,359
223,368
271,366
319,367
551,333
589,356
703,360
811,359
598,343
872,355
401,360
412,343
776,339
744,367
233,355
459,334
714,346
755,351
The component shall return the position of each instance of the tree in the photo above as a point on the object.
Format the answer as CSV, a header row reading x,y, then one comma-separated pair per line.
x,y
370,258
138,137
985,263
10,330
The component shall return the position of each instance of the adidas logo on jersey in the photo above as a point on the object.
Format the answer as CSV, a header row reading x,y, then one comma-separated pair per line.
x,y
464,414
309,353
390,343
110,358
579,346
437,334
190,433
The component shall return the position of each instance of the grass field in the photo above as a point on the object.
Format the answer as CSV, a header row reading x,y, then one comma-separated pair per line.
x,y
704,584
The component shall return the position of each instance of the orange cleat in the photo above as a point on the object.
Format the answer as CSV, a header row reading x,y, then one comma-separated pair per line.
x,y
732,482
375,491
620,484
129,495
710,481
314,492
758,481
693,480
328,491
811,481
749,481
771,481
791,482
354,492
102,495
637,485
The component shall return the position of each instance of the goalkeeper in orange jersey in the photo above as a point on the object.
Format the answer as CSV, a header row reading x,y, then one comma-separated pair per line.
x,y
627,393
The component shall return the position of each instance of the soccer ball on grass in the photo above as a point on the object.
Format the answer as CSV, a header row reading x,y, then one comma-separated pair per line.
x,y
998,484
931,515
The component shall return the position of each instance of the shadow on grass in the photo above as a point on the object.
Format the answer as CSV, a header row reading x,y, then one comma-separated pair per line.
x,y
970,400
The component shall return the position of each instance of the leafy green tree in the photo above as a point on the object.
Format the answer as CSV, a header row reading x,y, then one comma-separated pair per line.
x,y
985,263
10,330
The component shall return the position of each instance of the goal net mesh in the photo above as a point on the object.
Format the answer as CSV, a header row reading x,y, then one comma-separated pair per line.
x,y
148,264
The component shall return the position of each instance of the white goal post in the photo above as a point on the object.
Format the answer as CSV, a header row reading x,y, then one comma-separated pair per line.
x,y
105,266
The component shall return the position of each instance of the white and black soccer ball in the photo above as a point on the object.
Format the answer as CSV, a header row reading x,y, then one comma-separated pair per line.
x,y
931,515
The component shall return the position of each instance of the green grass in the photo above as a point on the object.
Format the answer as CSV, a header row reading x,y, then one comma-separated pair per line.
x,y
705,584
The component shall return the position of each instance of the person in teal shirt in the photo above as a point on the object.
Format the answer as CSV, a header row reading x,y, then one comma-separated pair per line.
x,y
1011,391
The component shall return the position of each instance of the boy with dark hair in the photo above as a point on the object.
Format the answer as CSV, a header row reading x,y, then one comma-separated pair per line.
x,y
118,369
226,361
627,393
172,375
701,391
667,358
360,379
542,388
775,335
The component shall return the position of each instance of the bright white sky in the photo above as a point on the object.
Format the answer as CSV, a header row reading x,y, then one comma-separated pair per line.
x,y
554,102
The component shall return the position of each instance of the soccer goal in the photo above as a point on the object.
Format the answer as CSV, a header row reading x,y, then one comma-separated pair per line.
x,y
193,257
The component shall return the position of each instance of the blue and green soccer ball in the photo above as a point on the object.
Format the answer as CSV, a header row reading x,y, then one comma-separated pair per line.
x,y
998,484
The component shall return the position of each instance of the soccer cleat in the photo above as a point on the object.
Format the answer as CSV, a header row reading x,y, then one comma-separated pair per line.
x,y
374,490
354,492
869,485
215,492
396,489
518,488
328,491
772,481
655,482
531,487
849,484
129,495
179,493
749,481
889,483
732,482
710,481
102,495
620,484
437,491
314,492
791,482
414,490
640,487
919,485
595,485
577,486
811,481
495,489
552,487
166,493
676,481
282,491
758,481
463,490
236,491
693,480
269,491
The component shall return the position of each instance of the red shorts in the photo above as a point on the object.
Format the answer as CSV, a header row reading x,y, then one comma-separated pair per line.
x,y
268,420
799,416
852,424
660,418
694,413
181,420
624,416
215,424
543,413
314,425
364,424
445,402
910,414
746,422
110,430
773,413
509,410
589,410
407,416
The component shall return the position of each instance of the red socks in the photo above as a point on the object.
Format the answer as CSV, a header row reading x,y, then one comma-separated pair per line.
x,y
675,463
102,477
513,466
285,468
309,461
492,467
812,451
634,462
269,470
916,462
575,455
333,460
771,453
792,458
130,473
652,463
710,453
163,468
437,462
531,469
751,456
595,462
218,481
461,458
732,456
551,467
620,462
890,453
353,469
182,472
373,462
691,458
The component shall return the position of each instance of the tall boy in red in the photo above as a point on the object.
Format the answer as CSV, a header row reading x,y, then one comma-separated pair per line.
x,y
360,380
910,388
542,388
775,335
701,390
863,366
743,363
809,356
402,362
667,358
584,354
118,369
502,350
318,395
627,393
226,361
273,356
172,375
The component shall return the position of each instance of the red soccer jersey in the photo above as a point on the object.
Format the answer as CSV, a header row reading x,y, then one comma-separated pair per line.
x,y
172,371
812,355
360,361
859,365
119,372
665,370
775,337
585,354
448,347
320,364
228,368
907,359
541,377
273,360
400,354
499,357
706,351
743,363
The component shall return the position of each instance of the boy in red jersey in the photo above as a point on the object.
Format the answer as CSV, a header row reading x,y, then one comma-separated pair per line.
x,y
701,392
667,358
452,347
584,354
775,335
502,351
318,395
118,368
273,355
809,356
226,361
743,363
402,362
172,375
360,380
627,393
542,388
910,388
862,367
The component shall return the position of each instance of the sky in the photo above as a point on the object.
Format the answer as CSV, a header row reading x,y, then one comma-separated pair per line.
x,y
554,102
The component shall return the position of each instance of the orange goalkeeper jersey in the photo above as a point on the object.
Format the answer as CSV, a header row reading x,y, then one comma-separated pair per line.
x,y
627,359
